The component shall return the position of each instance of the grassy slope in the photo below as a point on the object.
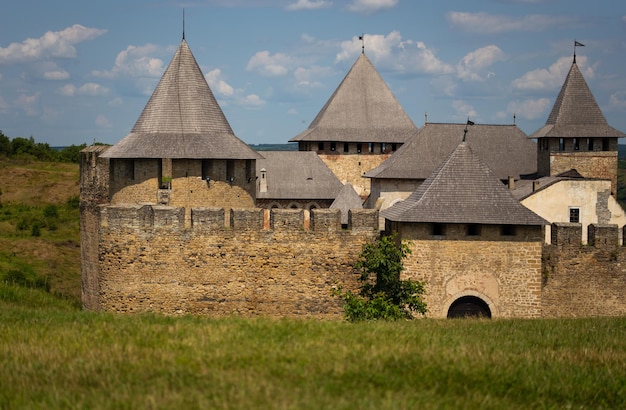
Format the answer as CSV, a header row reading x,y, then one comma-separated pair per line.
x,y
27,188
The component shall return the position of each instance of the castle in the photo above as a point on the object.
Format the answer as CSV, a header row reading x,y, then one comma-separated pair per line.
x,y
179,218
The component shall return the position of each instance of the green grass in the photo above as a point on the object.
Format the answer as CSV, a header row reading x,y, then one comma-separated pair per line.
x,y
55,356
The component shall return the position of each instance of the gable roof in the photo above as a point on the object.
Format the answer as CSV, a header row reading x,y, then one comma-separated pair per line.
x,y
347,199
504,148
576,113
525,188
182,119
362,109
296,175
462,190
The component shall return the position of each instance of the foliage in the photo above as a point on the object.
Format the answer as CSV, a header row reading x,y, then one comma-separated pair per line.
x,y
28,148
383,295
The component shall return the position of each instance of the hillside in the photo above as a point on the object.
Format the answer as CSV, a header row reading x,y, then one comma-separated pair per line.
x,y
39,226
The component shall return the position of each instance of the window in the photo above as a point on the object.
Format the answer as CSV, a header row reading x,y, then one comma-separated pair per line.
x,y
439,229
320,146
576,144
370,147
605,144
473,230
383,148
207,168
574,215
249,170
507,230
333,146
589,144
394,147
346,147
561,144
230,170
359,148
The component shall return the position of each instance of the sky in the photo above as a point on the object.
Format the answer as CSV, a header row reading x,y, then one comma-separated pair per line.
x,y
75,71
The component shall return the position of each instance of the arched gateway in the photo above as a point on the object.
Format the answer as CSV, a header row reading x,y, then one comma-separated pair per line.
x,y
469,306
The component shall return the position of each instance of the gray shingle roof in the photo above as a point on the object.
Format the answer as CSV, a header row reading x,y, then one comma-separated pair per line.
x,y
362,109
297,175
347,199
504,148
462,190
576,113
182,119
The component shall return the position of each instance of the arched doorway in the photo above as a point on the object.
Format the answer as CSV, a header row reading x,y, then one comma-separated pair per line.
x,y
469,306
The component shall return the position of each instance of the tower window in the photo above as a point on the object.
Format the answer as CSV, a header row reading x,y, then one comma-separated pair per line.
x,y
383,148
561,144
320,146
439,229
605,144
346,147
589,144
394,147
574,215
359,148
333,146
473,230
370,147
576,144
507,230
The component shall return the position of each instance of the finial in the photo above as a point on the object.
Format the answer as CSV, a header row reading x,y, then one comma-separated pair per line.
x,y
183,23
362,38
514,118
577,44
426,117
465,130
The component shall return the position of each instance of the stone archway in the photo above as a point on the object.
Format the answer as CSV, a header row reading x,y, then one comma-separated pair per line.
x,y
469,306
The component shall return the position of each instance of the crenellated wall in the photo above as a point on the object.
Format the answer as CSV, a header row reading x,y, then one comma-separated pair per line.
x,y
264,263
584,280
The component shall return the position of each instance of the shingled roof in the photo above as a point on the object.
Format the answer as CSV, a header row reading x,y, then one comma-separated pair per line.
x,y
362,109
504,148
347,199
182,119
576,113
462,190
297,175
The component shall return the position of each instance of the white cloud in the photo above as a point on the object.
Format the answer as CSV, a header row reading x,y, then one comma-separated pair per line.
x,y
269,65
102,121
464,109
404,56
218,85
229,94
306,77
471,67
309,5
53,44
136,61
617,101
491,24
531,109
552,77
371,6
56,75
28,103
91,89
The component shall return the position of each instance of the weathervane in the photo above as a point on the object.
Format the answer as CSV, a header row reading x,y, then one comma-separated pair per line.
x,y
362,38
577,44
465,130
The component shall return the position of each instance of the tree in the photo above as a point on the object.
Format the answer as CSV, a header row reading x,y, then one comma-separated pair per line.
x,y
383,295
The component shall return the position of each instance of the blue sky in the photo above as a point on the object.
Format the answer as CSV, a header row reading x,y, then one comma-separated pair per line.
x,y
73,71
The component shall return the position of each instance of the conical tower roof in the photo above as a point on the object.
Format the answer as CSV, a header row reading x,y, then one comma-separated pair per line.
x,y
576,113
362,109
182,119
462,190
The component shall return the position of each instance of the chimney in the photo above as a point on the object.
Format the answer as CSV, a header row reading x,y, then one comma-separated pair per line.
x,y
511,183
263,182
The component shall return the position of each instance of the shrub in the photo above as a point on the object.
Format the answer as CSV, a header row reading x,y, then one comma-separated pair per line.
x,y
383,295
51,211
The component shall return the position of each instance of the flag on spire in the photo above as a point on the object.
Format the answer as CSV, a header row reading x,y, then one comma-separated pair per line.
x,y
577,44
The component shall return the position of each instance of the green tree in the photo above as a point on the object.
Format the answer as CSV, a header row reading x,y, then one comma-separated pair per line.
x,y
383,295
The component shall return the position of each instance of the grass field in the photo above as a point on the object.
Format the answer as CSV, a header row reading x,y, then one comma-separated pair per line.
x,y
55,356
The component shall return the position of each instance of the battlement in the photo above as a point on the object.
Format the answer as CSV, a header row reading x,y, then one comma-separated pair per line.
x,y
598,235
150,216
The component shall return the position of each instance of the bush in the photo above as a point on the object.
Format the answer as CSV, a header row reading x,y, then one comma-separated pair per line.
x,y
51,211
383,294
